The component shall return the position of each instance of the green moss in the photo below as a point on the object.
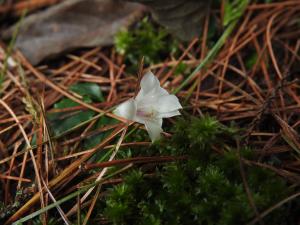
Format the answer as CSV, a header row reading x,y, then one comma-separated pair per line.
x,y
206,189
145,40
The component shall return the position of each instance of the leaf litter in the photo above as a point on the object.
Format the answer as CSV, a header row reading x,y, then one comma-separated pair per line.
x,y
253,82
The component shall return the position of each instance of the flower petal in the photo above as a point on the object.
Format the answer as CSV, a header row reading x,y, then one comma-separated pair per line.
x,y
149,82
126,109
159,91
169,114
154,128
150,87
167,103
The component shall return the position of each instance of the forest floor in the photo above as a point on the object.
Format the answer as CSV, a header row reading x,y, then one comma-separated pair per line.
x,y
56,118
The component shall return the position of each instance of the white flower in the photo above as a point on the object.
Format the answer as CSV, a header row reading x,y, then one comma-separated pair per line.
x,y
150,106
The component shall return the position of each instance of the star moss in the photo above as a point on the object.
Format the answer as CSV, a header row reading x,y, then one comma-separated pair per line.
x,y
205,189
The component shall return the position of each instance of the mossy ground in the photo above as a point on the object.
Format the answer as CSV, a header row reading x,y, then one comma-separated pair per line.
x,y
205,188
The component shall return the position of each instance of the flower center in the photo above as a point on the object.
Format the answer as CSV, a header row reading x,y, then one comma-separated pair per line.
x,y
145,114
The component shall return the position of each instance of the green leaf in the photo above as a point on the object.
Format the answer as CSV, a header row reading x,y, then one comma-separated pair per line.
x,y
65,103
233,10
60,126
61,121
90,90
252,59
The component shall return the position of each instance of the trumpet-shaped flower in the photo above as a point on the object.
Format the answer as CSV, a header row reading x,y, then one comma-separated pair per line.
x,y
150,106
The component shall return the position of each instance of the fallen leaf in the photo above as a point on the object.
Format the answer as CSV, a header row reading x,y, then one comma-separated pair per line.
x,y
184,18
72,24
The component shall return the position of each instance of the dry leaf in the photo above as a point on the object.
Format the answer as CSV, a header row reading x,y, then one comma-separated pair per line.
x,y
72,24
184,18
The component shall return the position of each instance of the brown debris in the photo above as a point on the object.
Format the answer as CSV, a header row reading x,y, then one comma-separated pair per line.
x,y
262,98
72,24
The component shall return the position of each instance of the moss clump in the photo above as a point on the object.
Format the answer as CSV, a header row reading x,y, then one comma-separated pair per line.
x,y
145,40
205,189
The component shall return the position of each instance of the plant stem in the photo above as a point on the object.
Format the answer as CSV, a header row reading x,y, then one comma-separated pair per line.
x,y
211,54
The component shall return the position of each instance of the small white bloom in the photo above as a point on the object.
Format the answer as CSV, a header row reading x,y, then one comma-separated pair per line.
x,y
150,106
11,63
